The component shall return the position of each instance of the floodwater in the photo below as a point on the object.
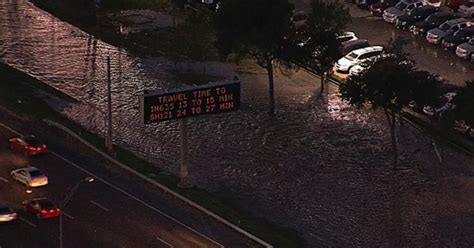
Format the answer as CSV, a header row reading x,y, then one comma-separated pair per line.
x,y
428,57
318,165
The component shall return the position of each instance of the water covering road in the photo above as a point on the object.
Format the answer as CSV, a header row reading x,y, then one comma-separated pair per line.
x,y
317,166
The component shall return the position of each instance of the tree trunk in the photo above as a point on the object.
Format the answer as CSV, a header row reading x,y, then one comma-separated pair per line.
x,y
392,122
271,90
323,80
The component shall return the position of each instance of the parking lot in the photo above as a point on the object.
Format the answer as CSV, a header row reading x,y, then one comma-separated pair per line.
x,y
428,57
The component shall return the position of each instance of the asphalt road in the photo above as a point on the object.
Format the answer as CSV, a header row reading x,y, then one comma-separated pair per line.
x,y
428,57
113,211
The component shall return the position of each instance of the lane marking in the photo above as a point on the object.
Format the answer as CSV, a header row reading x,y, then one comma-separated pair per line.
x,y
27,222
162,241
122,191
68,215
98,205
4,179
136,198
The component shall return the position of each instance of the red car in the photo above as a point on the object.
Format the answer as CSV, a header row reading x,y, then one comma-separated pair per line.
x,y
28,145
42,207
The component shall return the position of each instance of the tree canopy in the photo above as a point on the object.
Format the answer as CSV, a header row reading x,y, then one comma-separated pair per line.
x,y
464,104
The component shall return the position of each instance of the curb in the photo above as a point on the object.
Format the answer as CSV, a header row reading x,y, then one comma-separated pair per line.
x,y
160,186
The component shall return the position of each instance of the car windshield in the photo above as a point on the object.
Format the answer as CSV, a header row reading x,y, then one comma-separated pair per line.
x,y
36,173
401,5
46,204
4,210
444,27
351,56
32,141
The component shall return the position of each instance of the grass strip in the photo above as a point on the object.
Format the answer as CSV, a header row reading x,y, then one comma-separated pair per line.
x,y
449,137
20,94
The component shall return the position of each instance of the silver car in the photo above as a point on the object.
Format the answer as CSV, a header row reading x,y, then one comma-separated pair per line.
x,y
6,214
30,176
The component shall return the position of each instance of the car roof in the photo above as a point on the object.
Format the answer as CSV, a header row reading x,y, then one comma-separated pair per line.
x,y
443,14
31,168
367,49
456,21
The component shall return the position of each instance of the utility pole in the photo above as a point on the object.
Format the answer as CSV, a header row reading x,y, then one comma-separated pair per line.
x,y
108,139
184,163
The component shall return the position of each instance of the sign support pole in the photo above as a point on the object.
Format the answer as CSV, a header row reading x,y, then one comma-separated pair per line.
x,y
184,163
108,138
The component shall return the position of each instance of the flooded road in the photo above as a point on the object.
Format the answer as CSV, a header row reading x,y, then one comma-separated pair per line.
x,y
318,166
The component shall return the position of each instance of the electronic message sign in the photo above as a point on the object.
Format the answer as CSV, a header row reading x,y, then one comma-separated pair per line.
x,y
201,100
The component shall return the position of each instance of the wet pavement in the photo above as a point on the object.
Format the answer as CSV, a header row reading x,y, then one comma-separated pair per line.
x,y
428,57
318,165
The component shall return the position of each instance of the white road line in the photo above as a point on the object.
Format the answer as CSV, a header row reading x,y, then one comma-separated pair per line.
x,y
122,191
135,198
10,129
4,179
27,222
68,215
162,241
98,205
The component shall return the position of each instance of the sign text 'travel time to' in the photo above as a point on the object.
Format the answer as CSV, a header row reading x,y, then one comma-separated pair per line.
x,y
200,100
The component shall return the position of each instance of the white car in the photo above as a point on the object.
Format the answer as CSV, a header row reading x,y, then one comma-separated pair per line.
x,y
356,57
347,36
445,103
6,213
30,176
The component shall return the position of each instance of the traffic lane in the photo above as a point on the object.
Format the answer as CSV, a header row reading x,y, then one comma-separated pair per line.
x,y
174,207
14,193
143,219
92,161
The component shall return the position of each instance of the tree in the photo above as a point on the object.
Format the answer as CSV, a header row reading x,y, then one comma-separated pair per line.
x,y
325,21
464,104
390,84
257,28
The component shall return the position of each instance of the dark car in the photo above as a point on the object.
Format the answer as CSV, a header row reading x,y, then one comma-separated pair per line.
x,y
432,21
365,4
466,50
28,145
349,46
42,207
406,20
377,8
463,35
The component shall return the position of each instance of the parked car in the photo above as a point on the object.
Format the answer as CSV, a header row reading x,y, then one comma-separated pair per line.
x,y
346,36
406,20
443,105
461,127
466,50
432,21
352,45
378,8
357,56
460,36
436,35
359,68
390,15
365,4
28,145
42,207
30,176
466,10
6,213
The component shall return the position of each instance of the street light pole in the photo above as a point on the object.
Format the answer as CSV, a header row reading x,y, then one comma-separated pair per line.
x,y
65,201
